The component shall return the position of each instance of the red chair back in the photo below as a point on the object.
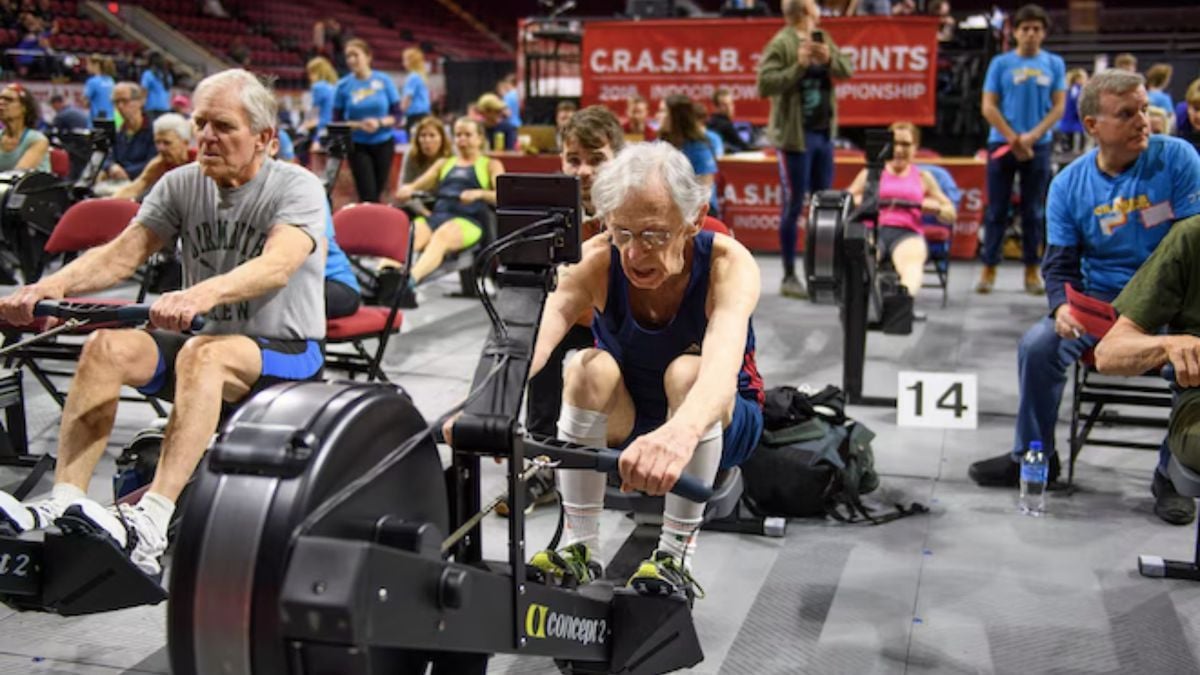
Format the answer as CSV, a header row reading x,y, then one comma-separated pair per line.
x,y
1096,316
60,162
374,230
713,225
91,223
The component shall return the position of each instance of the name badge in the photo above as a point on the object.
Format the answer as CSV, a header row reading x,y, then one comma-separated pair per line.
x,y
1157,214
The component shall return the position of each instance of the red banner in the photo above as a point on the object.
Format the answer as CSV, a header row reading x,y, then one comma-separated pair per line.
x,y
753,200
895,63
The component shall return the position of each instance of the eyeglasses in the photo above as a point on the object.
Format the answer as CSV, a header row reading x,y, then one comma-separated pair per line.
x,y
648,238
119,101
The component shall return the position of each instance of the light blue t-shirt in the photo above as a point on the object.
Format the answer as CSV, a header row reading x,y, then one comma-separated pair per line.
x,y
337,265
322,101
8,160
1162,100
287,149
704,163
513,100
158,98
98,91
418,95
716,142
1024,86
359,99
1118,220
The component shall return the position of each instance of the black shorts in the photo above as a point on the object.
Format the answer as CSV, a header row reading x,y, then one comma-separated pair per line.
x,y
890,238
282,361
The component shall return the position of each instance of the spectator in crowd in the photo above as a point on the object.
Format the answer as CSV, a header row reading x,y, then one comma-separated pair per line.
x,y
1070,125
414,98
721,121
173,140
156,83
98,90
1187,115
1125,61
329,40
239,52
685,131
1024,95
134,145
322,80
562,116
1159,120
22,146
869,8
1107,211
32,47
507,90
368,99
1158,78
904,8
181,105
637,114
67,118
499,133
430,145
901,237
797,71
946,23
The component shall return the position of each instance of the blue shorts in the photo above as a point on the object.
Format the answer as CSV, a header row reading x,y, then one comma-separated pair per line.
x,y
282,361
738,440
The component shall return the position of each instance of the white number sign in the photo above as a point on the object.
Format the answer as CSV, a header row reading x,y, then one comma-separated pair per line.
x,y
937,400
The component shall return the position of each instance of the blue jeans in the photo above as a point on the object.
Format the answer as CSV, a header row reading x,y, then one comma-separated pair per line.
x,y
1035,179
801,173
1042,362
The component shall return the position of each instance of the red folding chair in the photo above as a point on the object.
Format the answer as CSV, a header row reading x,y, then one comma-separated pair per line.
x,y
60,162
378,231
1100,392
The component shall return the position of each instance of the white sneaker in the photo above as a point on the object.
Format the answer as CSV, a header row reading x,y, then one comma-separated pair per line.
x,y
129,526
17,517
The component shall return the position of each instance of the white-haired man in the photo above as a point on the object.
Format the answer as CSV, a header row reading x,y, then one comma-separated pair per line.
x,y
173,139
672,379
253,241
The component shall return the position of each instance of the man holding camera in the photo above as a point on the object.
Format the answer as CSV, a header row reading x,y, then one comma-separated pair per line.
x,y
796,71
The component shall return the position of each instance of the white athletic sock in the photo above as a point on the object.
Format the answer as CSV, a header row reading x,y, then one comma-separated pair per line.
x,y
159,509
582,490
66,493
682,517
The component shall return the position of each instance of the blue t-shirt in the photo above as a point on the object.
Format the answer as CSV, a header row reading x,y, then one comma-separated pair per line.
x,y
513,100
418,95
337,265
158,98
287,149
704,163
322,101
1162,100
1024,86
1116,221
1070,122
714,140
98,91
359,99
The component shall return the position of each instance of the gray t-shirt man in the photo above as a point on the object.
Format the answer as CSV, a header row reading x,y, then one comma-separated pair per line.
x,y
221,228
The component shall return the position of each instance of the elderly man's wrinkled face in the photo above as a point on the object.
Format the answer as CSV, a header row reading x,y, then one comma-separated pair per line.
x,y
651,235
172,148
228,148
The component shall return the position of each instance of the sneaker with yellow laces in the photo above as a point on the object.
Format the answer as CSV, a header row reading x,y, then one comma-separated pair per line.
x,y
568,567
662,574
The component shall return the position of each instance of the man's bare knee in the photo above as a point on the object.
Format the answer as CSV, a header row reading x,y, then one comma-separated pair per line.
x,y
122,352
590,380
679,378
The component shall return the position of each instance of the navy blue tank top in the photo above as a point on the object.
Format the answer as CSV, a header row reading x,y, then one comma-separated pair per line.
x,y
458,180
644,354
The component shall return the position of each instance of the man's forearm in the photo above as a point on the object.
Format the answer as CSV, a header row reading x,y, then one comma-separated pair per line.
x,y
1051,118
254,278
995,118
1131,353
95,270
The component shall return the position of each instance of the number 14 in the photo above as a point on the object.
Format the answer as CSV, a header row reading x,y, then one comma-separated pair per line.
x,y
955,390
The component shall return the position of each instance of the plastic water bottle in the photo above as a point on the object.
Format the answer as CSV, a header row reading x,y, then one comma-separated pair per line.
x,y
1035,471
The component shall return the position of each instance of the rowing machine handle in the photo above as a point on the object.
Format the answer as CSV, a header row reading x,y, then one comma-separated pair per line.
x,y
899,204
688,487
127,314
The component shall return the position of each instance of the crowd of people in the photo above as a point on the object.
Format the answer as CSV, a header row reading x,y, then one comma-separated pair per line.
x,y
1118,223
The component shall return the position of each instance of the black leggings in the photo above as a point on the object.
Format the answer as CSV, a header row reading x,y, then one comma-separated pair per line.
x,y
340,299
371,164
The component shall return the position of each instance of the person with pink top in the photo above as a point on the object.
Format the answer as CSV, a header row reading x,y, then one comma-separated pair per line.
x,y
906,193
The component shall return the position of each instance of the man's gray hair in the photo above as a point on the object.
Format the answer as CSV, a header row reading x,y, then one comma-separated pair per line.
x,y
642,164
174,122
258,101
135,90
1112,81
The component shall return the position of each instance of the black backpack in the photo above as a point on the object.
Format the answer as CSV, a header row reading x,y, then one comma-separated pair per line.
x,y
814,461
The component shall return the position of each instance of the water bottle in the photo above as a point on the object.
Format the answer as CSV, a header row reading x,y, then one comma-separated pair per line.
x,y
1035,470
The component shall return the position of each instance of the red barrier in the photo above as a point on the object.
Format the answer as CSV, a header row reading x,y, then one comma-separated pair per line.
x,y
895,63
